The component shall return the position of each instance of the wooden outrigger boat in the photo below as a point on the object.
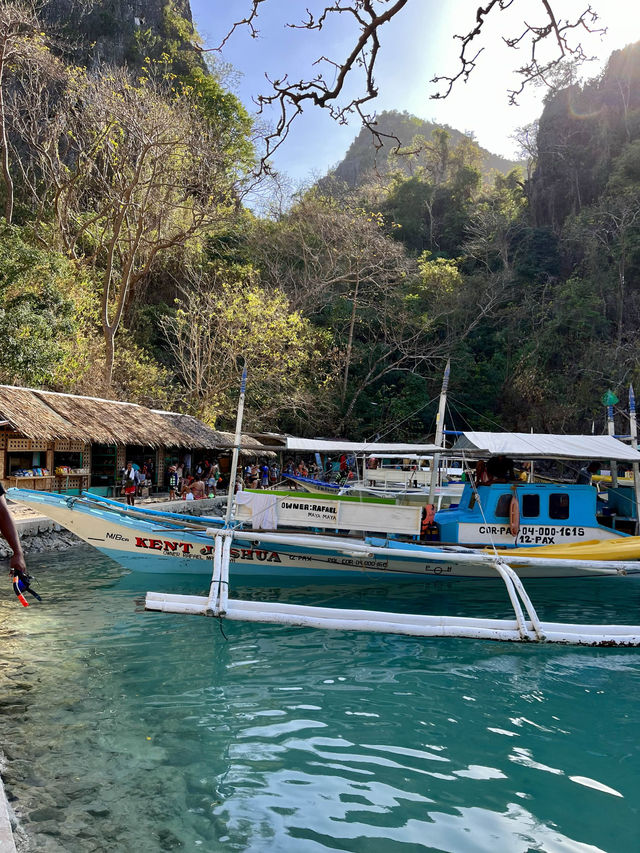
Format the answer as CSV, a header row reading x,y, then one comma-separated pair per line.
x,y
383,540
378,537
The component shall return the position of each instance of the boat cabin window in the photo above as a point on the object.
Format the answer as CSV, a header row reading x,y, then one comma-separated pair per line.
x,y
530,506
503,506
558,506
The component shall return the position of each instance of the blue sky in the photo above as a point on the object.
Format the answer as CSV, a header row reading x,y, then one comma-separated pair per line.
x,y
415,46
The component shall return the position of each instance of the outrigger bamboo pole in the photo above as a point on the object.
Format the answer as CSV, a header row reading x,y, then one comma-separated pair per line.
x,y
236,448
435,462
274,612
219,589
633,429
214,589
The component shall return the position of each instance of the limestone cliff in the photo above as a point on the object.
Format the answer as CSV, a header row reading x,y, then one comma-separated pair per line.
x,y
110,31
583,129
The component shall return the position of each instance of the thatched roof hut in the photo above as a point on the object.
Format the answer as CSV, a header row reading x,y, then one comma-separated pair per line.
x,y
212,439
199,434
47,415
250,446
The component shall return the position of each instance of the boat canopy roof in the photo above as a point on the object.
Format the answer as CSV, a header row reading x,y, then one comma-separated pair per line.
x,y
524,445
310,445
400,456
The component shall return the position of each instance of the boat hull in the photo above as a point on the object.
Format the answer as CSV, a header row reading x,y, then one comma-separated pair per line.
x,y
163,546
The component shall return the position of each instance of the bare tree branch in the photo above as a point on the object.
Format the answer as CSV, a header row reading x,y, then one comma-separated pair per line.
x,y
289,98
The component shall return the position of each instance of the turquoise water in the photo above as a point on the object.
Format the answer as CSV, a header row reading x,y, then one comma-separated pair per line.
x,y
134,731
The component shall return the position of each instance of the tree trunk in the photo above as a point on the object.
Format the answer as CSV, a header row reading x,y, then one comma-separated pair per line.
x,y
429,207
350,341
109,335
621,295
4,141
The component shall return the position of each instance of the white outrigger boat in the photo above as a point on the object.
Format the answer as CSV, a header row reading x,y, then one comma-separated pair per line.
x,y
313,536
367,537
373,537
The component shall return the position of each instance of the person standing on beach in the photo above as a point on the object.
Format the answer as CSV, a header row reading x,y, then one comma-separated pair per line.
x,y
10,533
130,480
216,476
173,482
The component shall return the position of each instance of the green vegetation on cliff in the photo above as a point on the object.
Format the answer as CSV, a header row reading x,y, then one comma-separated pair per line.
x,y
129,265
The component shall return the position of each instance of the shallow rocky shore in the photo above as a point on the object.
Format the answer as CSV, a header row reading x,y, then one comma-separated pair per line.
x,y
51,538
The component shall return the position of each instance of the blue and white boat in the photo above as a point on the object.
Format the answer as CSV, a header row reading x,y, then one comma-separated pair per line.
x,y
527,513
391,480
314,485
382,541
349,538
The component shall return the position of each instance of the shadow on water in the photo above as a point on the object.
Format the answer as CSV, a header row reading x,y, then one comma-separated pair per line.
x,y
125,730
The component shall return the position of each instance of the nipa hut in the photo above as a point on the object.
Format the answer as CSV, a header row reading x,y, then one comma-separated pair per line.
x,y
215,440
65,442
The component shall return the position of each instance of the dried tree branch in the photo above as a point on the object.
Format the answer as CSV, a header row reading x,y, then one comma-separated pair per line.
x,y
533,70
288,98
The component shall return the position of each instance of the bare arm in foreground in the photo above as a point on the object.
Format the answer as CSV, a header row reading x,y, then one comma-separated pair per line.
x,y
10,533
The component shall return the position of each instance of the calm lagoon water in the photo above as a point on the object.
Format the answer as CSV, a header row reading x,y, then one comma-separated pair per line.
x,y
132,731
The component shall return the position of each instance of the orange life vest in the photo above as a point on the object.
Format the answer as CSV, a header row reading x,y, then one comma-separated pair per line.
x,y
427,521
514,515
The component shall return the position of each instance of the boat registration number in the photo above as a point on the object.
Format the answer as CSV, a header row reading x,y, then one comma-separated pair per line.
x,y
529,534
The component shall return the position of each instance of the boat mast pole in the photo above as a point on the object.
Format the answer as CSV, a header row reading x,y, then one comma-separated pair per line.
x,y
633,429
236,448
435,462
612,431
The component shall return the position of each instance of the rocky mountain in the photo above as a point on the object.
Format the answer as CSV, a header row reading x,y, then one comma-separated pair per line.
x,y
583,129
362,156
110,31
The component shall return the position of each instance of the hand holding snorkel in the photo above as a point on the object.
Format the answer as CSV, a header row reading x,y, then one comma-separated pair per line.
x,y
21,583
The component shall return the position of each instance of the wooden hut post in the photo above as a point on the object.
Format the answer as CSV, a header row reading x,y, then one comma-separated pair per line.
x,y
3,455
121,461
161,454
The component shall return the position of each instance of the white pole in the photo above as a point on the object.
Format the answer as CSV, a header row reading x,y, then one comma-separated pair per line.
x,y
214,589
613,463
236,448
224,575
435,462
633,429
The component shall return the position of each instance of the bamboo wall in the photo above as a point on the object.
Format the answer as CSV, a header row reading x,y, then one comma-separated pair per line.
x,y
11,442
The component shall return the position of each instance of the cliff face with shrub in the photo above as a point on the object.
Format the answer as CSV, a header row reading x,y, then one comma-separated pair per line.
x,y
583,129
362,158
531,287
113,31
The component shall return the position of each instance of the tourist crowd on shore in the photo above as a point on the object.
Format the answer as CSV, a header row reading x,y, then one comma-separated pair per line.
x,y
205,478
204,481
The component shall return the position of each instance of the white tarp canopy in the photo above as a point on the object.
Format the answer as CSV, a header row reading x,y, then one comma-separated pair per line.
x,y
412,456
320,445
524,445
